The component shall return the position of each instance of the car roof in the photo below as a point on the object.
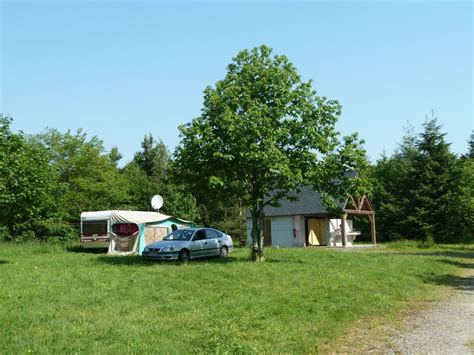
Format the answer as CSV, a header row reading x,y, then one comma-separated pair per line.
x,y
197,228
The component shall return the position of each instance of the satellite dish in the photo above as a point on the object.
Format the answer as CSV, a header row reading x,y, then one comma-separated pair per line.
x,y
157,202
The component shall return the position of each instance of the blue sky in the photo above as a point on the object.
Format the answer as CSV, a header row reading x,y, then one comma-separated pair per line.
x,y
120,70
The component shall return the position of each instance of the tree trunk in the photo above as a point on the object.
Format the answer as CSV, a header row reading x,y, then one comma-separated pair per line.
x,y
257,233
261,223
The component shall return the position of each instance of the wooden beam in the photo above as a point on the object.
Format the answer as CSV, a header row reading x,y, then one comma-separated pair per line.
x,y
343,230
353,201
369,204
372,229
359,212
361,202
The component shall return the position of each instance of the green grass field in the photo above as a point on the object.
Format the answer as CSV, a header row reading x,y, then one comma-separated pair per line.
x,y
59,299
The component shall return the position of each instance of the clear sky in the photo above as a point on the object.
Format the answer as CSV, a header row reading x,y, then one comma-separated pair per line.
x,y
120,70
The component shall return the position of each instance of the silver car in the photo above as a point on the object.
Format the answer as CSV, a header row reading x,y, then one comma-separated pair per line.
x,y
190,243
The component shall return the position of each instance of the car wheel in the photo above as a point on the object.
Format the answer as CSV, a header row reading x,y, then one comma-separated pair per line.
x,y
223,252
184,255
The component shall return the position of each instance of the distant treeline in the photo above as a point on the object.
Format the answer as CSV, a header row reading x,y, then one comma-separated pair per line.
x,y
422,191
48,179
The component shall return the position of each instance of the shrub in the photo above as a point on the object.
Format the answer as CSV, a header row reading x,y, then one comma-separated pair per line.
x,y
55,230
428,243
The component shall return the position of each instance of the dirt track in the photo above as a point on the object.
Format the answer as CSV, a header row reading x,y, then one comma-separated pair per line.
x,y
446,328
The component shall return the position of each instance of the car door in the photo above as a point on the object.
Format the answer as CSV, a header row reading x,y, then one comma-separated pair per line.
x,y
212,244
197,243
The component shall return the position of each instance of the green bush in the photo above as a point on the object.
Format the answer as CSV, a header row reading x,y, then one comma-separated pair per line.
x,y
19,232
428,243
56,230
3,234
403,243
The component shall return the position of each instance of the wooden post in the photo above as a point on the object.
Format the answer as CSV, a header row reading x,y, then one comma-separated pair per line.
x,y
343,230
372,228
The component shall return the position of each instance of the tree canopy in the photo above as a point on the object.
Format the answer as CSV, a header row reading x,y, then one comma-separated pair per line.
x,y
262,133
154,158
87,175
149,173
27,185
424,191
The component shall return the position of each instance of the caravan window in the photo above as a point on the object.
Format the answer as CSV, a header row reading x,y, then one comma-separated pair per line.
x,y
94,228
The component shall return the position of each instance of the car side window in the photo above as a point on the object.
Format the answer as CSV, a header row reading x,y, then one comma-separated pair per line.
x,y
200,235
211,234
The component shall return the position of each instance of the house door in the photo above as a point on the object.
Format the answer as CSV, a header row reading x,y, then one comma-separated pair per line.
x,y
267,232
316,231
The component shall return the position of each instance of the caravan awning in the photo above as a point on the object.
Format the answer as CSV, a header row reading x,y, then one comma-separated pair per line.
x,y
137,217
117,216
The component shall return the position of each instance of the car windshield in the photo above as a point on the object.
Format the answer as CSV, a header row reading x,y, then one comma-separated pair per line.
x,y
180,234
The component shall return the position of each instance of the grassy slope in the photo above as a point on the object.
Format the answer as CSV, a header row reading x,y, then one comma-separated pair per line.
x,y
55,299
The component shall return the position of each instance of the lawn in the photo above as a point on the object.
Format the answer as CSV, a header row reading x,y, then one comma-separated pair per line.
x,y
60,299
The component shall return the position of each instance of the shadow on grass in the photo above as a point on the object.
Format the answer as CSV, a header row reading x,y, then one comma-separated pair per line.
x,y
459,264
129,260
468,254
134,260
283,261
458,282
137,260
4,261
79,249
467,247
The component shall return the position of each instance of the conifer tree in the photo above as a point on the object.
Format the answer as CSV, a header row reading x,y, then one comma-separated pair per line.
x,y
433,186
391,183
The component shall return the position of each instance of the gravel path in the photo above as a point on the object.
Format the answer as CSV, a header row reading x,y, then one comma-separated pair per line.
x,y
446,328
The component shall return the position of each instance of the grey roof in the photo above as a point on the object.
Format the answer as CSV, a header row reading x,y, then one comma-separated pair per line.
x,y
309,202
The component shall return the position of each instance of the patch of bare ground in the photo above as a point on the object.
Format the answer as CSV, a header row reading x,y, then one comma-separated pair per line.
x,y
442,326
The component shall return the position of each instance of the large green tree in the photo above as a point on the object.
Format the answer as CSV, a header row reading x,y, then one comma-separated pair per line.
x,y
149,174
392,177
463,201
470,142
464,197
86,174
27,185
433,186
423,191
262,133
154,158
